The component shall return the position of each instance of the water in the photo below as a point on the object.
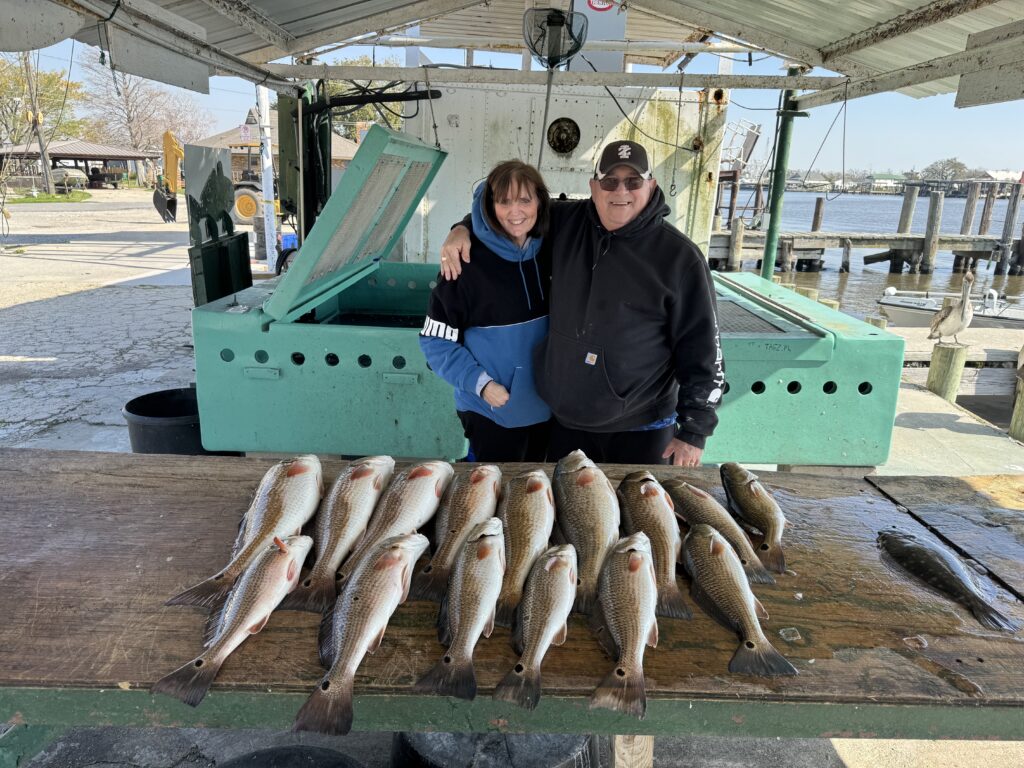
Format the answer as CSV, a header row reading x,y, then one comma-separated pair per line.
x,y
859,290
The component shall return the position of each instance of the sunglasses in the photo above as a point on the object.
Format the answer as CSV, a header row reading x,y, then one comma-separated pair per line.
x,y
611,183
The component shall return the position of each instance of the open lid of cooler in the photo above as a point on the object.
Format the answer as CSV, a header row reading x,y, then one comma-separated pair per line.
x,y
362,221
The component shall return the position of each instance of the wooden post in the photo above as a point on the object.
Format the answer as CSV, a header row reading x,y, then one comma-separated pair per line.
x,y
819,214
758,200
810,293
946,369
1017,418
970,207
632,751
877,321
777,279
847,252
736,229
1009,225
786,259
734,193
986,210
830,303
924,260
897,257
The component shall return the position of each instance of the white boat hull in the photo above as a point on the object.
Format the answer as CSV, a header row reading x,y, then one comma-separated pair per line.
x,y
901,312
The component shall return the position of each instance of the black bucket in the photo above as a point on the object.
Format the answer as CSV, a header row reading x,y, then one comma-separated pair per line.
x,y
164,422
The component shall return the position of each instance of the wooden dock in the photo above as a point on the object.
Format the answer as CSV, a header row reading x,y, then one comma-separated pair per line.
x,y
803,251
993,357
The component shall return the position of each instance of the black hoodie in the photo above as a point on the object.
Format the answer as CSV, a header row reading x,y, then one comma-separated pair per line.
x,y
634,331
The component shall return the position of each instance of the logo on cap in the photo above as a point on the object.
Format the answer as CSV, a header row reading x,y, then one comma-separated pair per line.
x,y
625,151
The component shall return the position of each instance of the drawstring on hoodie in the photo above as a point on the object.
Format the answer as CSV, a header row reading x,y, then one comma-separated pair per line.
x,y
522,275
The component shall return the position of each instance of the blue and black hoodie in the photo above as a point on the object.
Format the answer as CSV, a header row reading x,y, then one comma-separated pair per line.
x,y
486,325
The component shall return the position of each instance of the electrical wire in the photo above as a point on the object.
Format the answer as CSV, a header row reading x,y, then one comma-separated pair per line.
x,y
734,103
67,86
630,120
842,189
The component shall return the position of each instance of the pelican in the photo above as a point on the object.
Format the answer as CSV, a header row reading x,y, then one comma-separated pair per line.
x,y
955,317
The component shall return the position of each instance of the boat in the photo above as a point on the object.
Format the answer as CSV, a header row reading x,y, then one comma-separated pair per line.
x,y
917,308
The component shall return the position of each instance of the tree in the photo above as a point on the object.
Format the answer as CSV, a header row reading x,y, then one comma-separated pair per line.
x,y
345,120
135,112
50,87
949,169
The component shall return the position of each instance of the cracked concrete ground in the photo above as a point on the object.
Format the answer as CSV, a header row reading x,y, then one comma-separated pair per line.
x,y
94,310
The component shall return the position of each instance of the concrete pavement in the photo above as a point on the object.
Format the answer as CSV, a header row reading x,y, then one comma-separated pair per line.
x,y
94,310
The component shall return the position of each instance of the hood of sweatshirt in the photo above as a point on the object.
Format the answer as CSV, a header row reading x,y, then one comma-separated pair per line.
x,y
496,241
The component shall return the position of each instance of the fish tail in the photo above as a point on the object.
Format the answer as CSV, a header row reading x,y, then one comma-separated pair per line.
x,y
430,583
450,677
506,609
328,709
758,574
773,556
992,618
671,603
520,686
206,594
760,659
622,690
314,595
189,683
585,596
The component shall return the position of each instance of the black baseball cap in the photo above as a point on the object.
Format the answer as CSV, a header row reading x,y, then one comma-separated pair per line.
x,y
623,152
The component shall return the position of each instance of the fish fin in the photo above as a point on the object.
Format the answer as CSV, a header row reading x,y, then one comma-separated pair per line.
x,y
758,574
622,690
558,535
450,677
375,643
243,527
430,583
259,625
207,593
444,629
599,625
325,638
561,634
214,622
671,603
585,601
189,683
701,598
489,626
317,597
773,556
652,634
521,686
760,659
406,583
507,607
992,618
327,710
760,611
517,631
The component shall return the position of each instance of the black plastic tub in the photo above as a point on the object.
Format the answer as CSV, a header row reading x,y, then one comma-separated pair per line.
x,y
164,422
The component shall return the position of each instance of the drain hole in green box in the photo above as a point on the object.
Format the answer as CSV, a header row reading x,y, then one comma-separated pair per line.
x,y
261,356
227,355
757,387
365,361
298,358
331,359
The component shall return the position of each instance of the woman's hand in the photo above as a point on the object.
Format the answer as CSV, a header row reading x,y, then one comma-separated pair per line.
x,y
682,454
454,251
495,394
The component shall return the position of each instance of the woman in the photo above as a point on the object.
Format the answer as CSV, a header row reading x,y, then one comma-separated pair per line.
x,y
481,330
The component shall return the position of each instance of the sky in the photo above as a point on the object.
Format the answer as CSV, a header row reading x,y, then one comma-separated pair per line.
x,y
885,132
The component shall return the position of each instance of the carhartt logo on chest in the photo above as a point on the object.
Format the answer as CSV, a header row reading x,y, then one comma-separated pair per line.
x,y
590,359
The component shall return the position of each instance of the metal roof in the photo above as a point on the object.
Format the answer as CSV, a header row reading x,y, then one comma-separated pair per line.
x,y
856,38
75,149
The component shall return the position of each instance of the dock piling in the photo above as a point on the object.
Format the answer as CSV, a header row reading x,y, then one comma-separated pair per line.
x,y
847,252
961,259
946,369
810,293
1017,418
876,320
1009,225
924,260
819,214
986,210
786,255
830,303
736,230
896,258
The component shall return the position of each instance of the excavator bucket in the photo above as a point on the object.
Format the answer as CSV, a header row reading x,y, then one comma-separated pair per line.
x,y
166,205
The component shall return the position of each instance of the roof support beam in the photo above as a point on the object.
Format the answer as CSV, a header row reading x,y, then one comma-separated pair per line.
x,y
436,76
399,18
996,54
152,28
254,19
932,13
517,44
698,17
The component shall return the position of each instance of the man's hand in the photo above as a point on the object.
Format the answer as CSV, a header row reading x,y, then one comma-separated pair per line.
x,y
682,454
454,251
495,394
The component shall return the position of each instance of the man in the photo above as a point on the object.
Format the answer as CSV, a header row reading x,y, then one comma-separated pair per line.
x,y
632,366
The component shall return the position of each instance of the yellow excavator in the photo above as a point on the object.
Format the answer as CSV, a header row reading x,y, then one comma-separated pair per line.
x,y
248,191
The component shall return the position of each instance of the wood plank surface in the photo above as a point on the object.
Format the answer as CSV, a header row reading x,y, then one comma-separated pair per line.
x,y
965,510
96,542
984,345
